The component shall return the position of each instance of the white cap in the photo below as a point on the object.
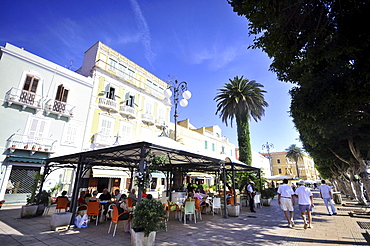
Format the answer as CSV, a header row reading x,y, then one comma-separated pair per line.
x,y
301,182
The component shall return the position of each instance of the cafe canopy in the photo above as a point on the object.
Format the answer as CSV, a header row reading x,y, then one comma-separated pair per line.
x,y
135,156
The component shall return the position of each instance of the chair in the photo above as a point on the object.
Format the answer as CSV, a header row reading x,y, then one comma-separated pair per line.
x,y
173,207
216,204
115,218
94,209
129,202
190,210
62,203
198,207
257,200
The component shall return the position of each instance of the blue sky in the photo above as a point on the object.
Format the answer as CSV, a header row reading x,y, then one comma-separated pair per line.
x,y
201,42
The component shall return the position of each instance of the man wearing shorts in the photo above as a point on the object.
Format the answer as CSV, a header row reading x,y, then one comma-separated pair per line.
x,y
305,202
286,201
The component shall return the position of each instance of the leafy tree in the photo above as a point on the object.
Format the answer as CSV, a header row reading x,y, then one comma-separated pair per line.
x,y
294,153
318,45
241,99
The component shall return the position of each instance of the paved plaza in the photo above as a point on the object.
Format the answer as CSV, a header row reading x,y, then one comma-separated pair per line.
x,y
266,227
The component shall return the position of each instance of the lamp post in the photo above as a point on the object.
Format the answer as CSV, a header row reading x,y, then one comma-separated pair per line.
x,y
268,146
174,90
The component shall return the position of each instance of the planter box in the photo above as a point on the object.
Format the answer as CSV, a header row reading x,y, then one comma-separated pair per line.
x,y
138,239
60,219
266,201
233,210
29,211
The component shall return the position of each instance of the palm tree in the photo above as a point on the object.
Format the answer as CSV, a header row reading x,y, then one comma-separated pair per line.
x,y
294,153
242,99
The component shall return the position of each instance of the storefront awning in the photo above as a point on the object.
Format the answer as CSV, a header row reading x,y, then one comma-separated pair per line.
x,y
26,160
158,175
110,173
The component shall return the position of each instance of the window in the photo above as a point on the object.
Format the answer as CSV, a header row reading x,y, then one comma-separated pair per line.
x,y
126,131
112,65
121,71
205,144
29,90
278,161
131,73
110,92
149,85
106,125
60,99
161,113
70,135
223,150
279,170
148,107
213,146
36,130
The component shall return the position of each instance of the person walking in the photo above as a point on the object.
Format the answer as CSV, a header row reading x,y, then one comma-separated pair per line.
x,y
326,194
305,203
286,201
251,193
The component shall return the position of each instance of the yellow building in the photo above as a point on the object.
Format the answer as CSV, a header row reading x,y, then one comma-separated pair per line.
x,y
281,165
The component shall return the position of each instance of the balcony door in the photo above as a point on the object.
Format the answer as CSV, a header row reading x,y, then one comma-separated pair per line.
x,y
60,99
36,130
28,93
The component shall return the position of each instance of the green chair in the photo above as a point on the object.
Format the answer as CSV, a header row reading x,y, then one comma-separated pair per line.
x,y
189,210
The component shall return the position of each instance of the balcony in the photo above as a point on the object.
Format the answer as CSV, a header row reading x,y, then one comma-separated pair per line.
x,y
127,111
108,104
148,119
59,108
160,123
103,140
24,98
31,143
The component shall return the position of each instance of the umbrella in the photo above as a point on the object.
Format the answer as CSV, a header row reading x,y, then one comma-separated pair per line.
x,y
281,177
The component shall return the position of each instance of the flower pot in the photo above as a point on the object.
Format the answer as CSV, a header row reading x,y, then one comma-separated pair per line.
x,y
33,148
29,211
233,210
266,201
1,204
46,149
39,149
26,147
138,239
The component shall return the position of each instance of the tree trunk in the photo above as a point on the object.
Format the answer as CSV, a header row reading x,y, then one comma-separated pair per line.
x,y
296,166
245,151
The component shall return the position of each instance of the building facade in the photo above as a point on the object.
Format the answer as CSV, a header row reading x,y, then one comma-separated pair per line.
x,y
43,114
281,165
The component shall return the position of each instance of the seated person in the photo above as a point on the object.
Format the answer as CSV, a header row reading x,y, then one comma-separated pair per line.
x,y
123,210
149,197
81,201
143,195
105,196
117,194
133,196
94,198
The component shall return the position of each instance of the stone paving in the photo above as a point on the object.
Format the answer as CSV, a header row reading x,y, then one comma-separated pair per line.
x,y
266,227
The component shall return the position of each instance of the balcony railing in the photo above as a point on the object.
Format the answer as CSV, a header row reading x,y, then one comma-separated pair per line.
x,y
32,143
127,111
108,104
59,108
147,118
23,98
160,122
103,140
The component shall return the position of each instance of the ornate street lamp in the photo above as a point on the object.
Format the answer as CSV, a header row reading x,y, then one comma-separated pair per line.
x,y
174,90
268,147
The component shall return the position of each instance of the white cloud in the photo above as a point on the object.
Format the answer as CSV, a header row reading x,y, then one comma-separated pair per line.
x,y
144,31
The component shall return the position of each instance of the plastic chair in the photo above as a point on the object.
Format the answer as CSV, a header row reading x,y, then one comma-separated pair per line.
x,y
216,204
190,210
62,203
170,208
129,202
257,200
198,207
94,209
115,218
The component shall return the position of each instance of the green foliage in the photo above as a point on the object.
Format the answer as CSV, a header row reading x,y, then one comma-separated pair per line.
x,y
149,216
241,99
268,193
32,198
155,162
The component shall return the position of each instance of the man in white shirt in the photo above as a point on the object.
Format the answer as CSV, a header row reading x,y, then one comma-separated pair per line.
x,y
251,193
286,201
305,202
326,194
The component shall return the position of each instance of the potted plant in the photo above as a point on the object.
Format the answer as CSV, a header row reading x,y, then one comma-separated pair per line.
x,y
26,146
148,218
267,195
33,206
